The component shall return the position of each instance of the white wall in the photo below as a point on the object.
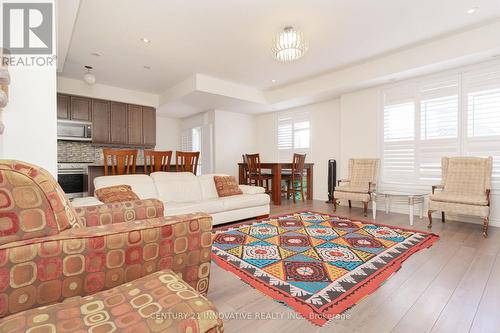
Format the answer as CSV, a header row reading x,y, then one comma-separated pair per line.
x,y
359,126
30,117
233,136
167,133
79,87
325,140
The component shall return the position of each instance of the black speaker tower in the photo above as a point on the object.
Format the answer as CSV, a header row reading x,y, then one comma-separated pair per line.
x,y
332,179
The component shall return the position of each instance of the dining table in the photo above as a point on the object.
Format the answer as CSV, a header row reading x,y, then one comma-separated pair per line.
x,y
276,169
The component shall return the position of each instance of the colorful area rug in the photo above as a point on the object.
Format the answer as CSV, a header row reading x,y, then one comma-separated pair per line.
x,y
318,264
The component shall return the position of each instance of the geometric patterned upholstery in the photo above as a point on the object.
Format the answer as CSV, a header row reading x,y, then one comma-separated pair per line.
x,y
159,302
32,204
118,212
83,261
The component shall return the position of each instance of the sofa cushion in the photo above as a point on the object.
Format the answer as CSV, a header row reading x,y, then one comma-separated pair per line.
x,y
32,204
117,193
142,185
177,186
208,190
226,186
471,199
142,305
245,201
206,206
248,189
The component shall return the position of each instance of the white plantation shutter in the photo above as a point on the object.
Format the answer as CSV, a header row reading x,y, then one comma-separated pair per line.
x,y
482,94
398,157
187,140
294,134
438,113
449,115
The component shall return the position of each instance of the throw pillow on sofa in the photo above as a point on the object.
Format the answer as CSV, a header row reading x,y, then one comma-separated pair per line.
x,y
226,186
117,193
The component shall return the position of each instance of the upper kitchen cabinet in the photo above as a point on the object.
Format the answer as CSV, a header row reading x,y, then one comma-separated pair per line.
x,y
134,120
149,126
63,106
101,115
81,108
113,123
118,126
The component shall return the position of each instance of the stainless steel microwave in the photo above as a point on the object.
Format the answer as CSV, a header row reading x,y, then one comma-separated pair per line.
x,y
71,130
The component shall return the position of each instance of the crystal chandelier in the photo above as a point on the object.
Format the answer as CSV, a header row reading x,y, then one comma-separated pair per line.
x,y
289,45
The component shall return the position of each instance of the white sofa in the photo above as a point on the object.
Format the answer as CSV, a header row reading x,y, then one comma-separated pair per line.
x,y
183,192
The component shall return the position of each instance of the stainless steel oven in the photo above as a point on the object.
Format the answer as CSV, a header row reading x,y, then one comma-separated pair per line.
x,y
73,178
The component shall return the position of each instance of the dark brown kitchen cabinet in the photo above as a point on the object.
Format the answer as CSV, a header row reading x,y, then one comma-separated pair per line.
x,y
101,121
63,106
81,108
118,127
149,126
113,123
134,117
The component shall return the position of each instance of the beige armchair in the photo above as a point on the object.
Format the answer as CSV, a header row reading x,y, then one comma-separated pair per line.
x,y
465,189
363,174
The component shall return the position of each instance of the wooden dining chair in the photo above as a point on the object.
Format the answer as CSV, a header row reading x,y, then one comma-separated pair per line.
x,y
155,161
295,179
186,161
255,175
121,161
245,170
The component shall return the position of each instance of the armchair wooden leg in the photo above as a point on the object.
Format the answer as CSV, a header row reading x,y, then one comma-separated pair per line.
x,y
350,204
486,221
365,208
442,217
429,215
334,204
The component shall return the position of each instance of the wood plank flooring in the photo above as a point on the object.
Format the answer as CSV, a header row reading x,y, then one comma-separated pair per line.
x,y
452,287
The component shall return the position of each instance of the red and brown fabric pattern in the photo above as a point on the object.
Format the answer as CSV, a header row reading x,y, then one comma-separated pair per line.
x,y
159,302
120,212
226,186
83,261
117,193
32,204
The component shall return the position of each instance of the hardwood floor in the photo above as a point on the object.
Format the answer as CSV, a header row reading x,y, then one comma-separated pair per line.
x,y
454,286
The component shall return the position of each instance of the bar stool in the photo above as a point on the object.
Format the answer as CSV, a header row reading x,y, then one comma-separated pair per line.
x,y
121,161
155,161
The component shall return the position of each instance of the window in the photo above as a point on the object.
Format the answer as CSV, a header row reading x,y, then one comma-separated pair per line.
x,y
191,141
294,134
449,115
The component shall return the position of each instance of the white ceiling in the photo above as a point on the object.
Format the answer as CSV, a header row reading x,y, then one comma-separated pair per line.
x,y
231,39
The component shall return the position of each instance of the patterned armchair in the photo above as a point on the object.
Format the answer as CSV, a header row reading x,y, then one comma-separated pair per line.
x,y
363,175
465,189
49,251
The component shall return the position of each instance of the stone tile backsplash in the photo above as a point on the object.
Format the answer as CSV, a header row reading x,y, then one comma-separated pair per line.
x,y
86,152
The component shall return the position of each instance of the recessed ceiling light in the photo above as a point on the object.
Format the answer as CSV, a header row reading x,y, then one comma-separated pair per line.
x,y
146,40
273,81
472,10
147,67
96,54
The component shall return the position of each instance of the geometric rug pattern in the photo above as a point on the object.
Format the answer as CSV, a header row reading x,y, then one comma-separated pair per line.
x,y
318,264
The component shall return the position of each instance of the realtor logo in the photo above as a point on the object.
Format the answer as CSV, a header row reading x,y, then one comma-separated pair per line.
x,y
27,28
